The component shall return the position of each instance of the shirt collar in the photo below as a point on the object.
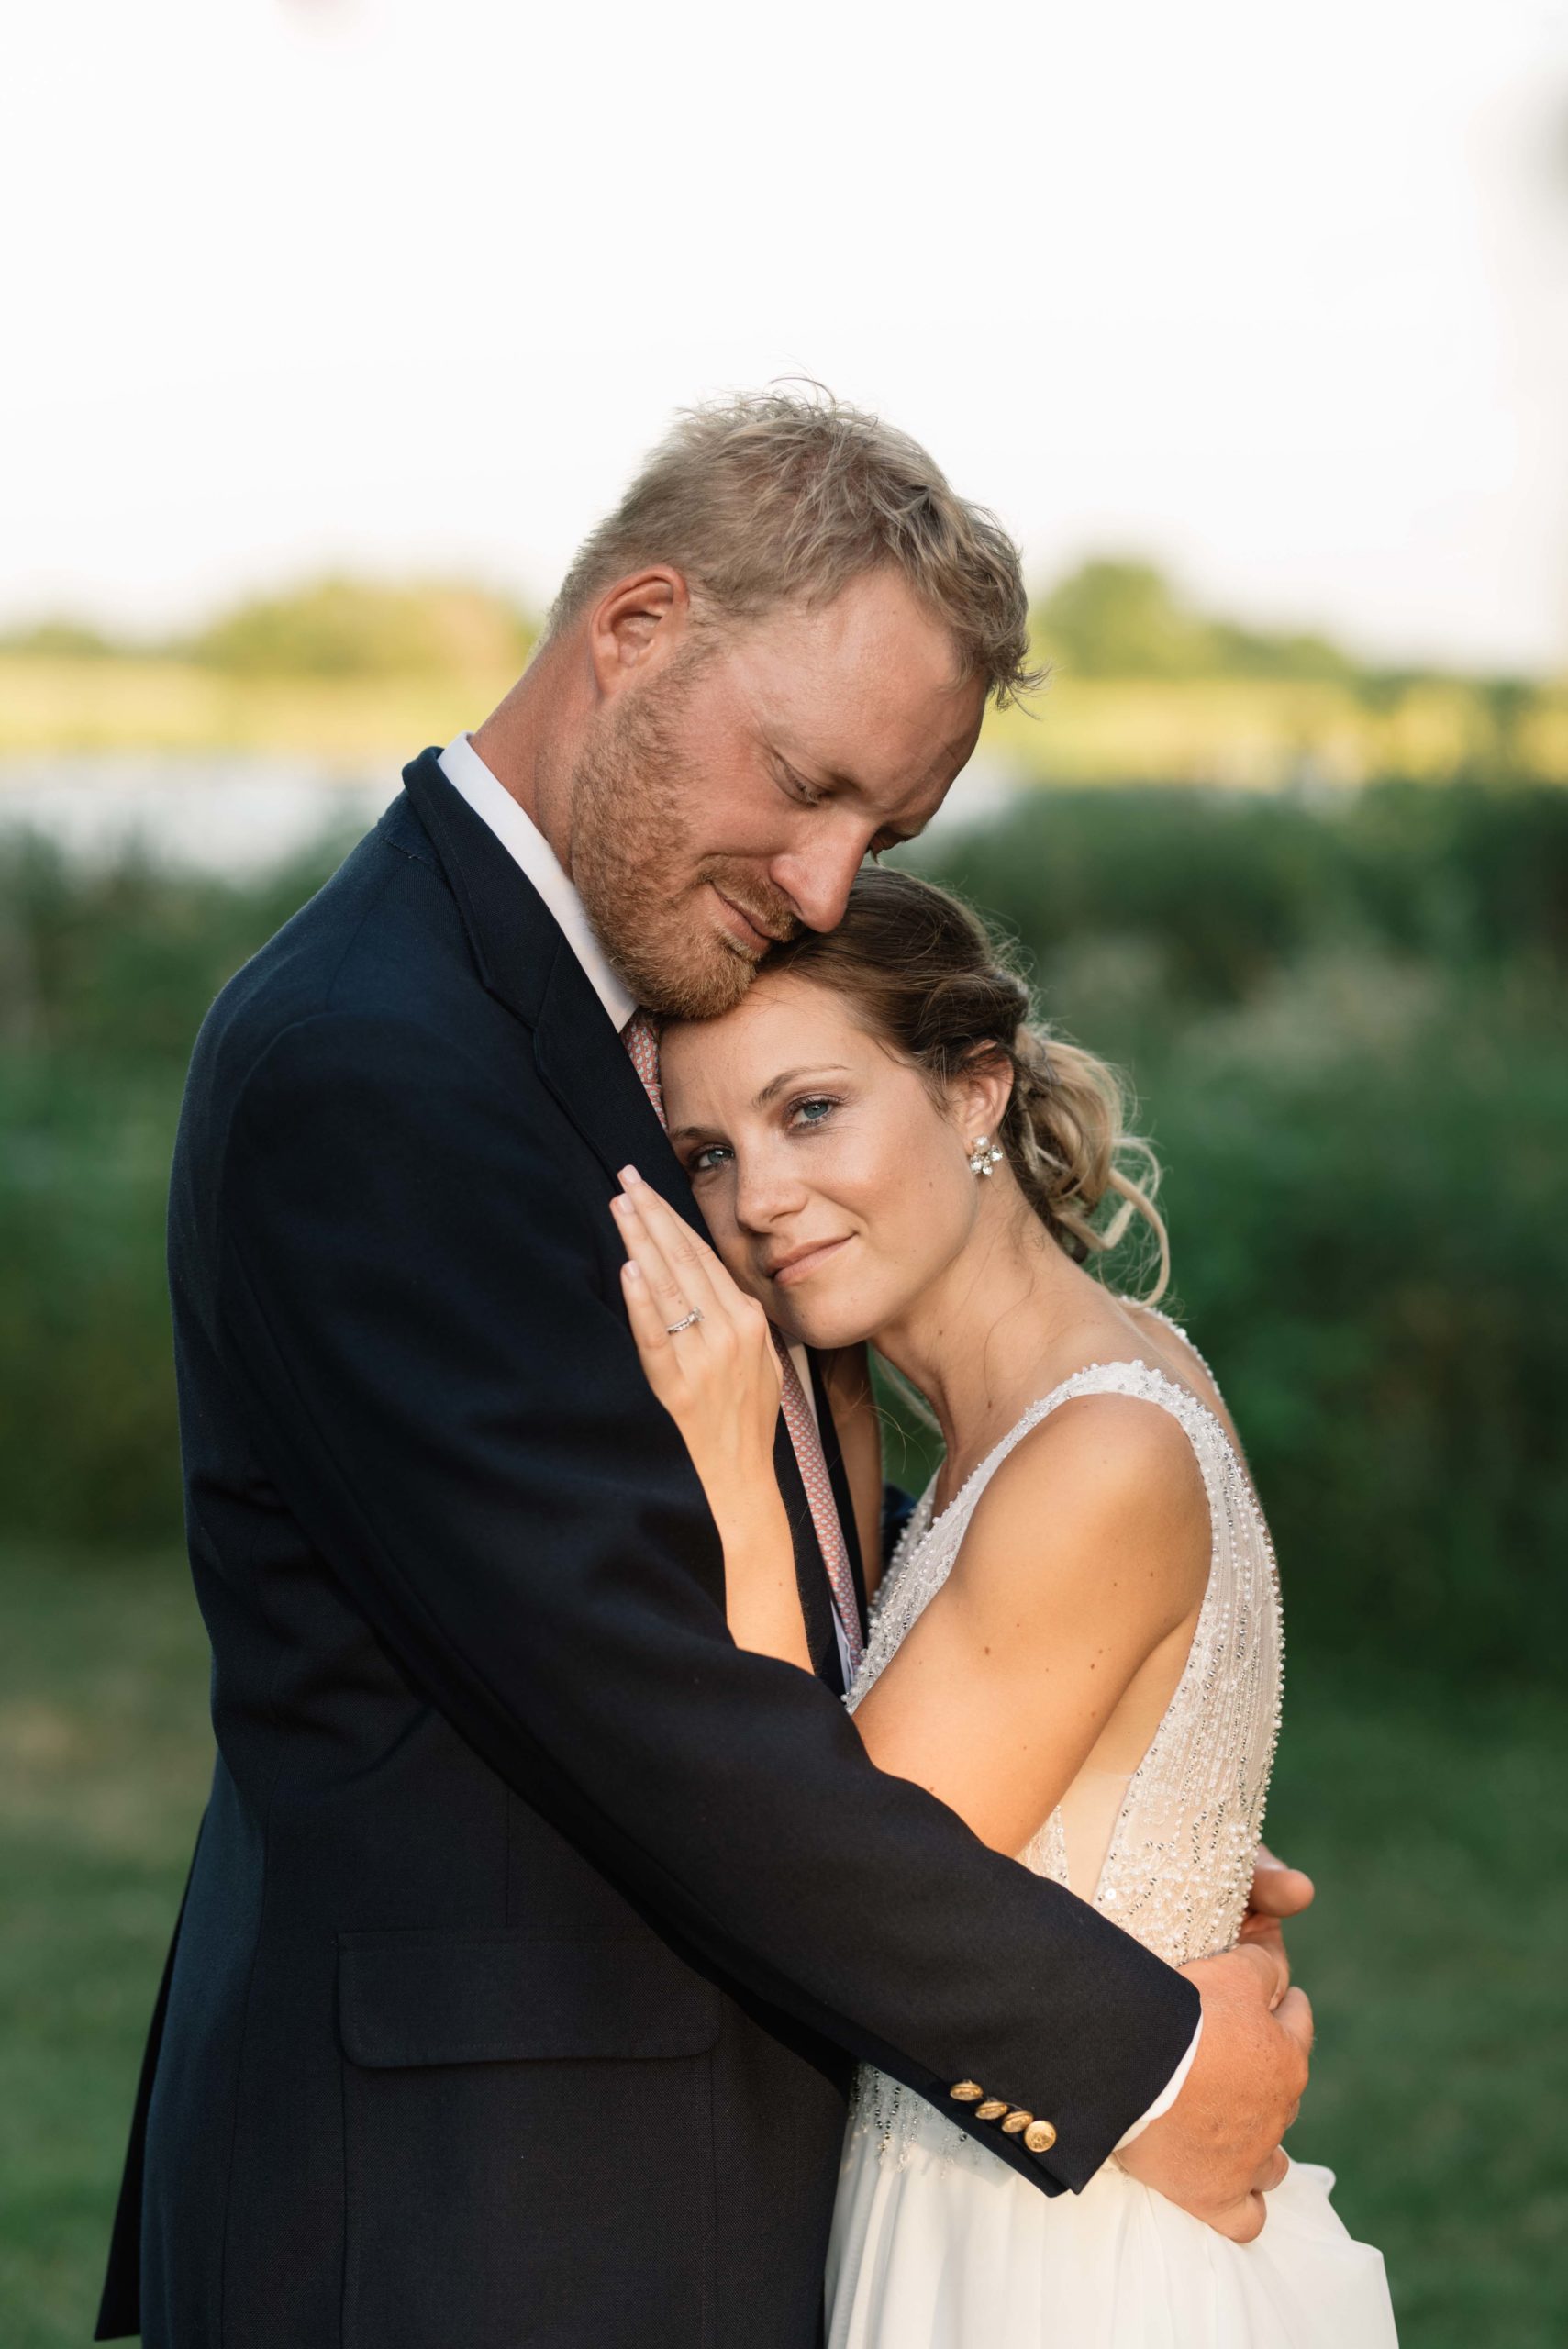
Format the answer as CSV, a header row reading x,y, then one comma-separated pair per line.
x,y
521,837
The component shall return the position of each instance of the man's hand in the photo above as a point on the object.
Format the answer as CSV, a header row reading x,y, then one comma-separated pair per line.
x,y
1278,1892
1217,2152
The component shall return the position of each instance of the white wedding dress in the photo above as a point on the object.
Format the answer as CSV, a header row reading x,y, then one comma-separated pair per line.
x,y
938,2243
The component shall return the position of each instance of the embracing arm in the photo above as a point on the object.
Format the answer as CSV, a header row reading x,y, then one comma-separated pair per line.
x,y
412,1296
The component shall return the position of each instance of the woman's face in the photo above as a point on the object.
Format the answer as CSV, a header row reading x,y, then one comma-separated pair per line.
x,y
835,1188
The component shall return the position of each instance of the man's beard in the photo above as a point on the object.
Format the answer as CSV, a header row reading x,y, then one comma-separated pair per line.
x,y
639,875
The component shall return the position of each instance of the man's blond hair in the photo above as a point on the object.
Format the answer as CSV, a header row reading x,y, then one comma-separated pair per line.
x,y
782,497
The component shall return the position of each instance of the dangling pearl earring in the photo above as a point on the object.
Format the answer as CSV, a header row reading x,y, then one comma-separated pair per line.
x,y
984,1157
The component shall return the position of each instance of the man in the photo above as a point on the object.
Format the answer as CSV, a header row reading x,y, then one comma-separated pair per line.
x,y
532,1926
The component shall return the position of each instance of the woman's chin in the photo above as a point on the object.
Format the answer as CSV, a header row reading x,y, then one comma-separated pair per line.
x,y
820,1327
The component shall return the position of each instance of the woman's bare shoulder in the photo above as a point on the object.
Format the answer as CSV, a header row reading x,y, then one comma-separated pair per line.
x,y
1106,1490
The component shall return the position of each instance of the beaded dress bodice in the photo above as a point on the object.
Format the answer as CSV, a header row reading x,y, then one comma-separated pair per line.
x,y
1179,1864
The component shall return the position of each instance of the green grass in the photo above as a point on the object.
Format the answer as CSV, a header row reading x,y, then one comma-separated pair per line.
x,y
1434,1958
1434,1827
104,1753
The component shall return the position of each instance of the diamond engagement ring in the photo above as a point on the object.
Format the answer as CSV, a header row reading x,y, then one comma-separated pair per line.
x,y
673,1329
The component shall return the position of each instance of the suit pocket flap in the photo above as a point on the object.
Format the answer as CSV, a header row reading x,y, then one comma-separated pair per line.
x,y
506,1996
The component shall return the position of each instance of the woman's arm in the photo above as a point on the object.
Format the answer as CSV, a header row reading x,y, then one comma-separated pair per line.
x,y
1062,1627
718,1379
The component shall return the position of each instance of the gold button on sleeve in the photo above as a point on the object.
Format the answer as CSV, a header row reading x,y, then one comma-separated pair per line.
x,y
1016,2122
966,2092
1039,2136
991,2110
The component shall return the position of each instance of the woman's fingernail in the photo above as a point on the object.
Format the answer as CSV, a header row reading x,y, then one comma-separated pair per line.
x,y
630,1175
632,1272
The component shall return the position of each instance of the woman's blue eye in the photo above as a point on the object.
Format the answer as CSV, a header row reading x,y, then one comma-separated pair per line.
x,y
813,1111
706,1159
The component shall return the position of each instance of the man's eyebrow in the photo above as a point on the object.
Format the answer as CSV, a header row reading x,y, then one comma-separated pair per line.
x,y
836,779
833,778
840,779
771,1091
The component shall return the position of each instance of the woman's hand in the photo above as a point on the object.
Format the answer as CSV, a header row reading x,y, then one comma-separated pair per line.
x,y
719,1378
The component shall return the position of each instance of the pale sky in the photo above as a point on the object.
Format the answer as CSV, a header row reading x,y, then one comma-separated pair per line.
x,y
1276,295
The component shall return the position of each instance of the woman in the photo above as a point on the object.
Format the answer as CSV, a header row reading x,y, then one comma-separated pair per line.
x,y
1077,1645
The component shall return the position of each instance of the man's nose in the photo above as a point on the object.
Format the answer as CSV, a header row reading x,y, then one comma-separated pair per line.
x,y
816,879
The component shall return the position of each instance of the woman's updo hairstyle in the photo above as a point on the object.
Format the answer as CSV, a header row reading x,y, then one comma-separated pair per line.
x,y
923,972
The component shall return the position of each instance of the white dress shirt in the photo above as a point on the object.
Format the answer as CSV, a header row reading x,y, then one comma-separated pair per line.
x,y
521,837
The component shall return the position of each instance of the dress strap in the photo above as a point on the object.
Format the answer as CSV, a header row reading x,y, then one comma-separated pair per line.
x,y
1134,1376
932,1540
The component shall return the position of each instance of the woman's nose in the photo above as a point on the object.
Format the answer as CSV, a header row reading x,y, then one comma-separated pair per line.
x,y
765,1191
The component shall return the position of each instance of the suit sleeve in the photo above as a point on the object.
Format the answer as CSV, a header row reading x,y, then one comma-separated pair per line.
x,y
448,1398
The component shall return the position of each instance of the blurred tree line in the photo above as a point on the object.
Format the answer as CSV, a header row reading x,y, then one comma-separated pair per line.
x,y
1144,682
1123,618
1110,616
1346,1022
334,626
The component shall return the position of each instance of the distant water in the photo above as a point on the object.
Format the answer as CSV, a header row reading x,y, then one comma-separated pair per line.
x,y
244,815
221,813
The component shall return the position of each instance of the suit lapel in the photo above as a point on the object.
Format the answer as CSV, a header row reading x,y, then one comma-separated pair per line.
x,y
525,962
588,1069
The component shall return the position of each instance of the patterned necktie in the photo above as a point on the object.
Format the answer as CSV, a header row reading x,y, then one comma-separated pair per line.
x,y
640,1037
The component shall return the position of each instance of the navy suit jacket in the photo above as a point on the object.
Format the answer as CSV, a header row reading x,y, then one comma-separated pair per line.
x,y
532,1926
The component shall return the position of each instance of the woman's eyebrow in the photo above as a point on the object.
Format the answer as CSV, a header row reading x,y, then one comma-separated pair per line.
x,y
769,1092
789,1075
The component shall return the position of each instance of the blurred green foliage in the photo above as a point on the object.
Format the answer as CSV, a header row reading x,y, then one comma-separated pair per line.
x,y
353,627
60,640
1143,682
1346,1022
1112,615
333,627
105,975
1118,616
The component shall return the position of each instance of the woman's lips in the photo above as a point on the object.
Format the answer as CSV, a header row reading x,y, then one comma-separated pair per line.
x,y
801,1266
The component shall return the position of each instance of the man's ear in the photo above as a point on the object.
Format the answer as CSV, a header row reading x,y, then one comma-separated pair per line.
x,y
981,1092
637,626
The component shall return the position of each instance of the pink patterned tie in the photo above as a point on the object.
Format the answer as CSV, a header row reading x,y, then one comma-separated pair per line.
x,y
640,1037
